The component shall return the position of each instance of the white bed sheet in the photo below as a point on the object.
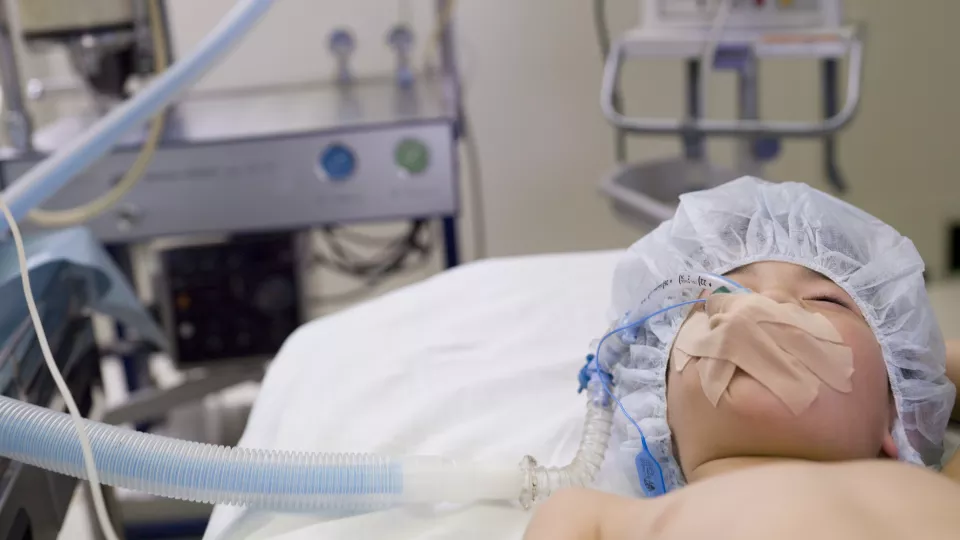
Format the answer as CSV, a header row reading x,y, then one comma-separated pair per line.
x,y
478,363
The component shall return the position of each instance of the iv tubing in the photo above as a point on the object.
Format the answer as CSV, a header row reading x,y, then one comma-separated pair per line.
x,y
46,178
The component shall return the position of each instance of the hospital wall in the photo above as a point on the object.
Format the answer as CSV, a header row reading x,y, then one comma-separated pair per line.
x,y
532,73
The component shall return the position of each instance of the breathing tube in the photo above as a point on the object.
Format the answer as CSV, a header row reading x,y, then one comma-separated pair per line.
x,y
274,480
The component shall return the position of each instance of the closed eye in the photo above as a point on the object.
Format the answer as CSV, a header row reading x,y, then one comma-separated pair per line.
x,y
830,299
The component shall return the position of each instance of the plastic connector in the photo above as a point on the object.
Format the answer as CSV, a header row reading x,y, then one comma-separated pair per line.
x,y
589,373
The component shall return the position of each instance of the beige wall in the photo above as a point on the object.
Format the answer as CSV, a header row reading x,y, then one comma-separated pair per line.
x,y
903,154
533,73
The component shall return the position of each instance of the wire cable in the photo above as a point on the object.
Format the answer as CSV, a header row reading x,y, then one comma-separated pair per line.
x,y
85,212
606,389
602,30
475,174
402,254
635,324
89,463
363,239
391,259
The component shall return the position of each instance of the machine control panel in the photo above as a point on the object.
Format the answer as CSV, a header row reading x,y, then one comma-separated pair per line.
x,y
412,156
273,183
338,162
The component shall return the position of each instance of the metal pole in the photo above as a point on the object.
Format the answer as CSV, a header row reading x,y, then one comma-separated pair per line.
x,y
451,253
831,87
748,108
454,93
17,122
448,62
693,143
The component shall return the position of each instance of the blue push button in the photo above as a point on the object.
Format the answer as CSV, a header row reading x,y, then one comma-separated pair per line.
x,y
338,162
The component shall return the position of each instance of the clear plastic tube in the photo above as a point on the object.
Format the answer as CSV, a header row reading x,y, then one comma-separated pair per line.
x,y
283,481
541,482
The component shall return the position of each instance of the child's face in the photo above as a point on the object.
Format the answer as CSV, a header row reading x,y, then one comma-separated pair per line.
x,y
752,421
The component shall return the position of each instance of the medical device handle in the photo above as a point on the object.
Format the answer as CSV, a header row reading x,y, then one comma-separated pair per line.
x,y
830,89
736,128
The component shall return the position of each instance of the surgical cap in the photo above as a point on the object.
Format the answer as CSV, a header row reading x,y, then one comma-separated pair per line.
x,y
750,220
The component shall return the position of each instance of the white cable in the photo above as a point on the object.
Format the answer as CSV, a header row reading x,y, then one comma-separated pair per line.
x,y
710,44
89,210
88,461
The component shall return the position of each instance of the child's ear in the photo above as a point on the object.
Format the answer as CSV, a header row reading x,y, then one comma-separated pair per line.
x,y
889,448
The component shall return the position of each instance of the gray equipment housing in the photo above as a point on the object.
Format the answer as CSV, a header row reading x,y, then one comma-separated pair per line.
x,y
250,161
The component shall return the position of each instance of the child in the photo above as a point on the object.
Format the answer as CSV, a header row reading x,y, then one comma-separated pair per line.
x,y
765,457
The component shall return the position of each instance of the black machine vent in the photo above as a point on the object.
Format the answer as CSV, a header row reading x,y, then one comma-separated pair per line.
x,y
232,301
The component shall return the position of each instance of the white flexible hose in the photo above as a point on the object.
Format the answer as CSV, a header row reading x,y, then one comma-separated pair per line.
x,y
45,179
87,211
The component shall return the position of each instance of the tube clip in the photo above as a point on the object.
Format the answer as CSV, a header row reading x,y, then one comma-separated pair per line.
x,y
589,371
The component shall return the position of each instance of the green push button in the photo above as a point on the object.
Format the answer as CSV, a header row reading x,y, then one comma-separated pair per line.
x,y
412,156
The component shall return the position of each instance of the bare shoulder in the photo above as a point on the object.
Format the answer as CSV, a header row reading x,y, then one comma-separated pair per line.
x,y
585,514
787,501
867,499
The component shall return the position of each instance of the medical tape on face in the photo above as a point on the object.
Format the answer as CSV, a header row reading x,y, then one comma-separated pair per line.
x,y
783,346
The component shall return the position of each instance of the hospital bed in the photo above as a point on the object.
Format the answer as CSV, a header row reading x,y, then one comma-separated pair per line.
x,y
478,363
